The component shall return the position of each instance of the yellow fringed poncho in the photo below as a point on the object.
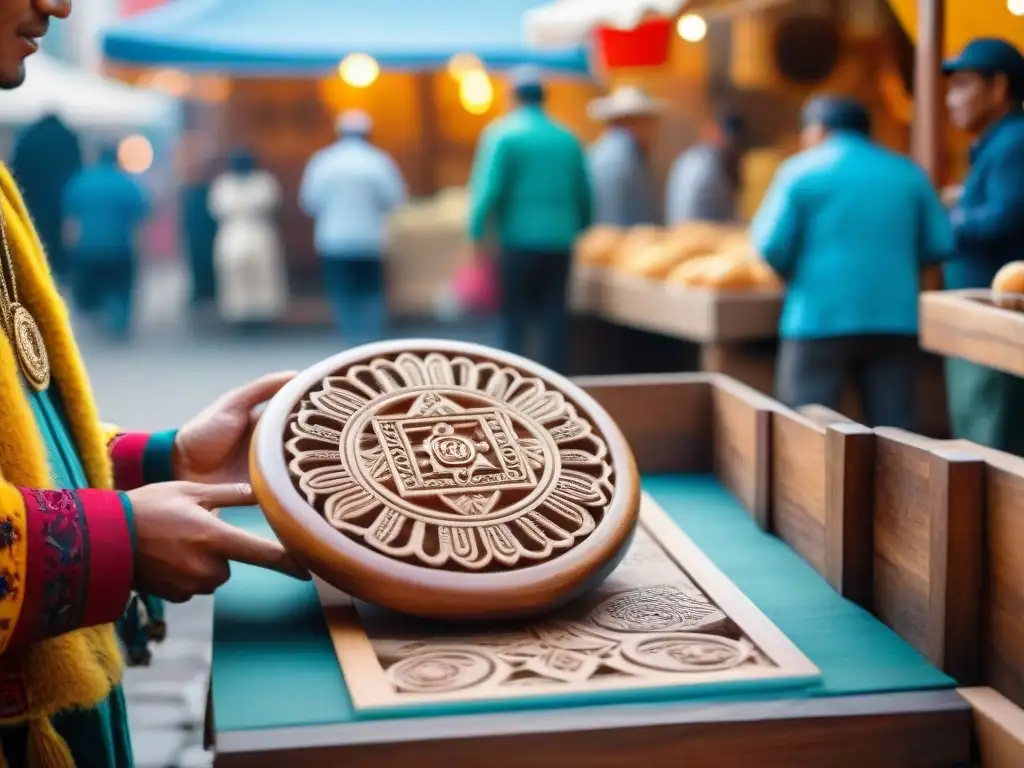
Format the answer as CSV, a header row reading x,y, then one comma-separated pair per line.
x,y
79,669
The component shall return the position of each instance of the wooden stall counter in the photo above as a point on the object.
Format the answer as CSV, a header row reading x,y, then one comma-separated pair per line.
x,y
967,324
764,510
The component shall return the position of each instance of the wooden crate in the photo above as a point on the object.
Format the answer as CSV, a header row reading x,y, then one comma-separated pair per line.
x,y
966,324
810,482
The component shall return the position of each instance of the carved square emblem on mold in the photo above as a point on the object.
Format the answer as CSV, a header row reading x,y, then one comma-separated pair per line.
x,y
473,451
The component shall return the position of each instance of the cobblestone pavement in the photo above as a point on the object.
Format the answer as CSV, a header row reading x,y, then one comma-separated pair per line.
x,y
164,376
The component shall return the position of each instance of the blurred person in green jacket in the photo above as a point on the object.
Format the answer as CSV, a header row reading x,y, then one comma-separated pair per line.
x,y
530,196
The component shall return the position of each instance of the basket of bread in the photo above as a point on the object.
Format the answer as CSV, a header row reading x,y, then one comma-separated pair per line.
x,y
694,255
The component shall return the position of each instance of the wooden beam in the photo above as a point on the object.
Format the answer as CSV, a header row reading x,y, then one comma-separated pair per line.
x,y
929,107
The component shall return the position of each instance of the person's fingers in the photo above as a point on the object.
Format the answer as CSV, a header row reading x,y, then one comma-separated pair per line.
x,y
248,397
244,547
225,495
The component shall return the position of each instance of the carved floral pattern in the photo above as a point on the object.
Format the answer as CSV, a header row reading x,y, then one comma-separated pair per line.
x,y
648,621
448,462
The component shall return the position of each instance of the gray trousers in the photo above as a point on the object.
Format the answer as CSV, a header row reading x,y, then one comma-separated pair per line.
x,y
882,368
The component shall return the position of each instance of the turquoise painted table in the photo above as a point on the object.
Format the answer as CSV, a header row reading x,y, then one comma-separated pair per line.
x,y
279,698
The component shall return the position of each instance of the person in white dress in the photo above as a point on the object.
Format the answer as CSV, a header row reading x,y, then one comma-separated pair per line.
x,y
252,287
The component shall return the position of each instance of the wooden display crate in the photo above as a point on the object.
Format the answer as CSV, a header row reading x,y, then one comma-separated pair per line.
x,y
811,485
693,314
968,325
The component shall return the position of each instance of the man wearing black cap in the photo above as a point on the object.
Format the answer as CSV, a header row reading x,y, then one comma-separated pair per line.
x,y
849,225
986,88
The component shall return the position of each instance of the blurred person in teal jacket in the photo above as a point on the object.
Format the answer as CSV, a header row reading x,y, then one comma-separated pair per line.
x,y
104,209
986,88
849,225
530,195
350,189
624,188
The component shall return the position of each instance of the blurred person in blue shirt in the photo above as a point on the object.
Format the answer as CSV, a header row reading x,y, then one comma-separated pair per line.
x,y
849,225
704,182
104,209
624,189
350,189
986,89
530,191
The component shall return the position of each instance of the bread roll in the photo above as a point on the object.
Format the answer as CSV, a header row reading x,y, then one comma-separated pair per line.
x,y
1008,286
597,246
635,239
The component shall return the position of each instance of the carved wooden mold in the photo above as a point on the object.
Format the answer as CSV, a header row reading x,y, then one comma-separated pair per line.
x,y
449,468
666,618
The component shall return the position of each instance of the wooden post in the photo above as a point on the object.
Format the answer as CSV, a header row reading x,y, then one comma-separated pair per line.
x,y
430,134
929,109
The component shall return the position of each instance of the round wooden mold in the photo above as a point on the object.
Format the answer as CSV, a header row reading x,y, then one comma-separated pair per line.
x,y
446,480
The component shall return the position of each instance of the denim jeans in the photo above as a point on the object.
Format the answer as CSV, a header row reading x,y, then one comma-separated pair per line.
x,y
535,296
356,291
103,289
882,367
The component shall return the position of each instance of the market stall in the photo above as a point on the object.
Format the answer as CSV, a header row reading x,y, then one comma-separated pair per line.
x,y
273,77
757,59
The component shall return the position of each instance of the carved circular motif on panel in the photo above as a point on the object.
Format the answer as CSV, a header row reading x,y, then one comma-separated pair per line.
x,y
506,482
664,608
688,652
450,463
441,671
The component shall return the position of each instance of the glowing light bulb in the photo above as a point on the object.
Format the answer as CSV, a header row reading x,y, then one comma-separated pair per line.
x,y
359,70
692,28
1016,7
135,154
476,92
461,64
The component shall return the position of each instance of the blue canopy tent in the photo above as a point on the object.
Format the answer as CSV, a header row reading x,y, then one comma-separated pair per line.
x,y
273,37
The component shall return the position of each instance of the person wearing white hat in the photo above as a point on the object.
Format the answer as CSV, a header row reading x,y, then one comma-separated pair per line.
x,y
530,193
350,189
624,194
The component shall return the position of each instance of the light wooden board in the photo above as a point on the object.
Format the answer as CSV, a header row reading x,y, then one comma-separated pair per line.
x,y
965,324
666,619
999,725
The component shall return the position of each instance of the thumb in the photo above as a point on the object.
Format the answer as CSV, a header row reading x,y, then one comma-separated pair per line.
x,y
233,543
225,495
248,397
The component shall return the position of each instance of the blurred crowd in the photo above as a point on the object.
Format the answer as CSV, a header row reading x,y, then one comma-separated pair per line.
x,y
847,224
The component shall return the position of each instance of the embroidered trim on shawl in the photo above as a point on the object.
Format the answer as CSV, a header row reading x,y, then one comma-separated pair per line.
x,y
80,561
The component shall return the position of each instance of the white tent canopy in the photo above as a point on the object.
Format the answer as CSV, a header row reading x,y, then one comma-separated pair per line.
x,y
564,23
569,22
82,99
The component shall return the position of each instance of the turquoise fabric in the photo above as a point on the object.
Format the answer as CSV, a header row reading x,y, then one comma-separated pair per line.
x,y
529,184
848,225
98,737
274,665
157,461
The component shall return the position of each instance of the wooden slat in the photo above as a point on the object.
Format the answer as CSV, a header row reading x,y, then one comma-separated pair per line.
x,y
965,324
667,419
927,545
849,510
998,728
798,485
742,444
